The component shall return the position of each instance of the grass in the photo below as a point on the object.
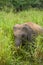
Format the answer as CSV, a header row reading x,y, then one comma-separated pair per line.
x,y
9,54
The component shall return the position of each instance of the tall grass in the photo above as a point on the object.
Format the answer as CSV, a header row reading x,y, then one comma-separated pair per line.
x,y
26,55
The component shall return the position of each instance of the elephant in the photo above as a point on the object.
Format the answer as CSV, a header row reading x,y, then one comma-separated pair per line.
x,y
26,31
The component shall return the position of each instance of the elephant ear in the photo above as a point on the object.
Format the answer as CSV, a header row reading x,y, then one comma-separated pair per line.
x,y
27,28
28,31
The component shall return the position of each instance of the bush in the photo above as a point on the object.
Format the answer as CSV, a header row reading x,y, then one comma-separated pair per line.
x,y
21,4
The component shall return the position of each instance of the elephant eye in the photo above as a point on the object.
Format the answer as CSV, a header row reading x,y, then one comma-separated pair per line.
x,y
14,36
23,35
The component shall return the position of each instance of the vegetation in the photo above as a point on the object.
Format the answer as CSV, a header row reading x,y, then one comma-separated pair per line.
x,y
30,54
20,4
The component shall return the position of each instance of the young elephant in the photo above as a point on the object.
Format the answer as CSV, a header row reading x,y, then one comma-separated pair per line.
x,y
26,31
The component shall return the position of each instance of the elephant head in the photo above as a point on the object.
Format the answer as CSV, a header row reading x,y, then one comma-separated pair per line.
x,y
22,33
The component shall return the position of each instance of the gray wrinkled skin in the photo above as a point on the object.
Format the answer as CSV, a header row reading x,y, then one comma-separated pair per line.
x,y
23,33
